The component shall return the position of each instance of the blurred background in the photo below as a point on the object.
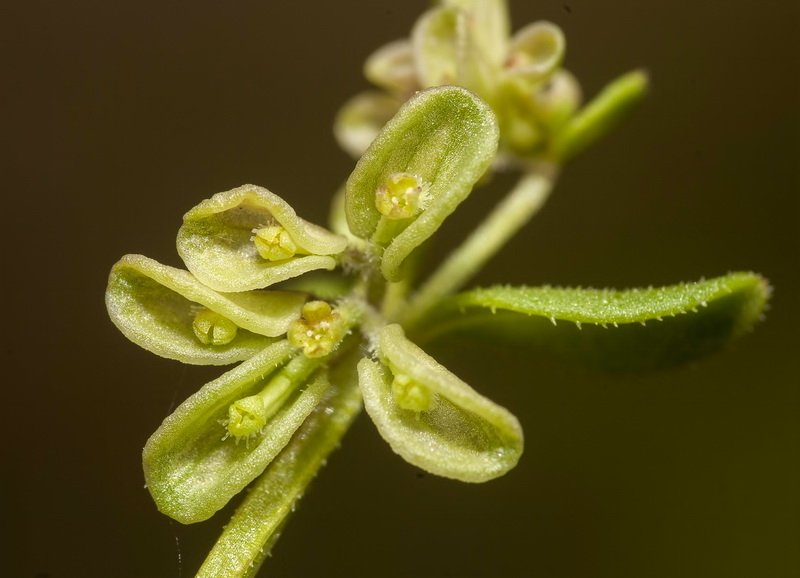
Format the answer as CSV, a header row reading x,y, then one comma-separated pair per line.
x,y
120,116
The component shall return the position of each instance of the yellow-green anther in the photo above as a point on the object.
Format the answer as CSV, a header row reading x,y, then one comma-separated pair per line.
x,y
401,196
319,331
211,328
411,395
274,243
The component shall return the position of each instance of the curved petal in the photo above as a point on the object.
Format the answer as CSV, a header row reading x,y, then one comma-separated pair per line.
x,y
436,40
536,51
361,119
218,241
157,307
392,67
455,432
192,468
488,26
444,138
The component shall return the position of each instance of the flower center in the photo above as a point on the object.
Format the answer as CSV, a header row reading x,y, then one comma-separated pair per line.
x,y
274,243
401,196
211,328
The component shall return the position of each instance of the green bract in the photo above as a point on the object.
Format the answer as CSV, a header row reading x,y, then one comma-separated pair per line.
x,y
155,306
192,467
460,434
219,241
445,138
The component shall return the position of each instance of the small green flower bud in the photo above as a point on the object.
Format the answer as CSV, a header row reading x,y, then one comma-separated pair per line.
x,y
412,395
401,196
211,328
274,243
319,331
246,416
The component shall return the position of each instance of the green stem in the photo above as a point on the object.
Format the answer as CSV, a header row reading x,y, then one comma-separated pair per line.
x,y
246,541
507,218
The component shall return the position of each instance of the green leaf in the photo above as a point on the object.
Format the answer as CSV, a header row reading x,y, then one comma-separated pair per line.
x,y
272,498
157,307
444,139
434,420
633,330
193,467
249,238
601,115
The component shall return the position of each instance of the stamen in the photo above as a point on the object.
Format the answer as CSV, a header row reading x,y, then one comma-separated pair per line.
x,y
401,196
319,331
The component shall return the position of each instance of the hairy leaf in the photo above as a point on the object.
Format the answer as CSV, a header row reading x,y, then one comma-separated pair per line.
x,y
633,330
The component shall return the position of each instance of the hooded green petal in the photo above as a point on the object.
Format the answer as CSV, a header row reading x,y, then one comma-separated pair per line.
x,y
436,46
487,26
444,138
462,42
158,308
633,330
392,67
433,419
536,51
218,241
361,119
192,467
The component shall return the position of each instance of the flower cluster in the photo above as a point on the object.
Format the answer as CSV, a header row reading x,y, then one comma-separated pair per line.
x,y
468,43
237,245
314,345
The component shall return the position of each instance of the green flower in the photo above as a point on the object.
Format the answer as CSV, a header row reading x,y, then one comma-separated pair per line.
x,y
311,355
249,238
468,43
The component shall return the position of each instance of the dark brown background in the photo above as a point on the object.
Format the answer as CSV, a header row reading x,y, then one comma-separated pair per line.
x,y
119,116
